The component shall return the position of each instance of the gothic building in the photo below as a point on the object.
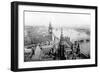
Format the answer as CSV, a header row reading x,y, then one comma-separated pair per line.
x,y
61,48
51,38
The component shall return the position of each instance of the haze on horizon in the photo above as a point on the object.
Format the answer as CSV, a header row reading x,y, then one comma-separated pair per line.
x,y
57,19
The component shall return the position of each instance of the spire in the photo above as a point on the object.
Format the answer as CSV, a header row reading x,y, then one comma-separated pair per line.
x,y
61,37
61,50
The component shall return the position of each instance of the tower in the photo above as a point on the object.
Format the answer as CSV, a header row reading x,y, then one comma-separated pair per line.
x,y
50,31
61,50
61,37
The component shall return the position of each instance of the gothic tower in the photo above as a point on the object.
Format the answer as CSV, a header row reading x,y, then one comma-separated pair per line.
x,y
50,31
61,55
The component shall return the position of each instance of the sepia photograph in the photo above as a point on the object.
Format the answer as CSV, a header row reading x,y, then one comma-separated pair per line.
x,y
56,36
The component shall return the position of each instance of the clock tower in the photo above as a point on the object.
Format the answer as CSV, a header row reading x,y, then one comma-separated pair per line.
x,y
50,31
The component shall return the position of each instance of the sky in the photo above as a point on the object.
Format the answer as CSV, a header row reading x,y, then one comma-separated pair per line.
x,y
59,20
56,19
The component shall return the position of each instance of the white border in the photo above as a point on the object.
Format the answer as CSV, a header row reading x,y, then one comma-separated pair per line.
x,y
22,64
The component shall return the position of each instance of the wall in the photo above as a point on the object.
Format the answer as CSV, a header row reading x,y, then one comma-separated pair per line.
x,y
5,17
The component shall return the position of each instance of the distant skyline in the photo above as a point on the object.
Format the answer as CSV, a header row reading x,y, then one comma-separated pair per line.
x,y
57,19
